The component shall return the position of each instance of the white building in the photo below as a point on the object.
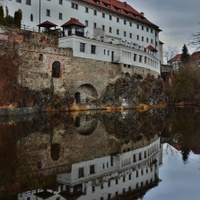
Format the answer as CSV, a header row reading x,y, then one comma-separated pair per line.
x,y
110,176
111,30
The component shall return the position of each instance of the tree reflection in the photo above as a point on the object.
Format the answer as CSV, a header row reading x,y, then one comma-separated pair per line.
x,y
185,131
185,151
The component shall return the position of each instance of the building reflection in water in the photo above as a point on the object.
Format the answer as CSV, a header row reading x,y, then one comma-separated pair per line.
x,y
83,156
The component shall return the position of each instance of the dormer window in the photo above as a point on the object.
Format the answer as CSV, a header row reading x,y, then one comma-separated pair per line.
x,y
117,9
107,5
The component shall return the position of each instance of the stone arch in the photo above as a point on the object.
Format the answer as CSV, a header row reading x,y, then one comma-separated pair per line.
x,y
56,69
85,93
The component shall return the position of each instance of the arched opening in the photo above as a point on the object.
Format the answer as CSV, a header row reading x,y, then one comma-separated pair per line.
x,y
56,69
86,94
77,97
55,152
85,125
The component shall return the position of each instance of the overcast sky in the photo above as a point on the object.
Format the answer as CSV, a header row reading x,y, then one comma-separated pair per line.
x,y
177,19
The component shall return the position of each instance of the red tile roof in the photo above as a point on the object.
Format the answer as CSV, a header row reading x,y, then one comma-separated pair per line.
x,y
47,24
175,58
151,48
122,8
73,21
196,55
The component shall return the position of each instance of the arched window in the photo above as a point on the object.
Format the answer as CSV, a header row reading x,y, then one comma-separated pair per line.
x,y
56,69
31,17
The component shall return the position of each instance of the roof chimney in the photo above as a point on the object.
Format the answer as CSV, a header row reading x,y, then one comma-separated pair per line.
x,y
142,14
125,4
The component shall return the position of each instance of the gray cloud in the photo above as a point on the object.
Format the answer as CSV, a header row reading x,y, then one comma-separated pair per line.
x,y
177,19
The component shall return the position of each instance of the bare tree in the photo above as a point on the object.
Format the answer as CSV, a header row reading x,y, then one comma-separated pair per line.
x,y
169,53
195,40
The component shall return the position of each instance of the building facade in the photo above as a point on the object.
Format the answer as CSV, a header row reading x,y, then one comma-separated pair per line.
x,y
112,31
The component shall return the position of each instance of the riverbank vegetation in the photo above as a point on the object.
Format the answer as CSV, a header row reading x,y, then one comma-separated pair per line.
x,y
185,85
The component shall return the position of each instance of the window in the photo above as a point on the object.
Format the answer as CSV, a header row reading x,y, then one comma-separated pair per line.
x,y
81,172
125,22
86,22
18,1
74,6
31,17
110,17
92,169
138,37
124,33
142,27
110,29
140,155
95,25
28,2
147,39
138,26
103,28
60,2
130,35
86,9
142,38
108,183
95,12
60,16
40,57
82,47
134,156
93,49
48,13
117,31
151,41
103,15
117,20
130,23
147,29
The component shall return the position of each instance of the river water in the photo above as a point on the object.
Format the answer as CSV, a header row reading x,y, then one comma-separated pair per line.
x,y
101,155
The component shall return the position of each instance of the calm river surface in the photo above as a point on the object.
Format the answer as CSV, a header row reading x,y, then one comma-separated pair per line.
x,y
99,155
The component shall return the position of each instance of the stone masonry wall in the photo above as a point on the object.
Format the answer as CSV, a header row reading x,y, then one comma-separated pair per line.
x,y
27,60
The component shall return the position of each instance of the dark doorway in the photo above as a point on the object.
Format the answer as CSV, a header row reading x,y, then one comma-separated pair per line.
x,y
77,97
